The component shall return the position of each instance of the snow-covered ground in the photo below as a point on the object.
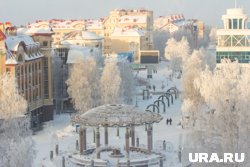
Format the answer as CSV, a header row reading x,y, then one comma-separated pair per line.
x,y
60,131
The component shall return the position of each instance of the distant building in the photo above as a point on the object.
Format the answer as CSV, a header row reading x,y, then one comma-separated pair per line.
x,y
233,39
121,18
139,19
128,39
26,58
176,22
59,26
4,26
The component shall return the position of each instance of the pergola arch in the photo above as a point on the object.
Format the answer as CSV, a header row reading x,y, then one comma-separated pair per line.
x,y
171,96
158,104
154,106
173,90
162,98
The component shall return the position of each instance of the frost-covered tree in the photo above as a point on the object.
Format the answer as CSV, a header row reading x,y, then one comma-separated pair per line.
x,y
110,83
192,37
213,35
160,39
177,52
223,122
83,83
16,148
127,84
191,96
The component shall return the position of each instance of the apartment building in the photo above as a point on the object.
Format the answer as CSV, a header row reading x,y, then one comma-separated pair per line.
x,y
29,60
122,18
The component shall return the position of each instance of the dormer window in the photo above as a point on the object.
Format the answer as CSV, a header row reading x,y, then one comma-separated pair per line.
x,y
20,58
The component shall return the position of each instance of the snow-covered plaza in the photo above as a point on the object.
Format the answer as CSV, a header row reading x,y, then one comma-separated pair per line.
x,y
62,132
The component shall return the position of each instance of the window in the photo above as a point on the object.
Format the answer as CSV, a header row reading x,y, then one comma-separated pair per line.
x,y
230,24
235,23
29,68
20,58
240,24
7,70
45,43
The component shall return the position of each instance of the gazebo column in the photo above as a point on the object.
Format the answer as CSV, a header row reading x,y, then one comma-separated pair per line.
x,y
93,135
117,132
150,137
83,139
98,153
133,136
127,141
106,136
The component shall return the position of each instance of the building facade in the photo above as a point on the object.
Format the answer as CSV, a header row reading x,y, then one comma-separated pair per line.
x,y
25,58
104,27
122,18
233,39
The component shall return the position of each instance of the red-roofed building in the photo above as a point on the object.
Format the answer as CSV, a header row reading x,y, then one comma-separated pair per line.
x,y
2,36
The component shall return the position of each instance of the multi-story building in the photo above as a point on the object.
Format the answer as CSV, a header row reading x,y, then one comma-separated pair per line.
x,y
4,26
176,22
169,23
29,60
105,27
128,19
233,39
60,27
128,40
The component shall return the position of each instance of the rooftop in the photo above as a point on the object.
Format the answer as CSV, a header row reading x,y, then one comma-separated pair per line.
x,y
128,32
116,115
82,35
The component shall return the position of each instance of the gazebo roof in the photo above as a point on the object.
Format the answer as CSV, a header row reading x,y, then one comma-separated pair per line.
x,y
116,115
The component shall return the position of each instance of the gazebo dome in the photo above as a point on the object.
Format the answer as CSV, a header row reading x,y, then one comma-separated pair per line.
x,y
116,115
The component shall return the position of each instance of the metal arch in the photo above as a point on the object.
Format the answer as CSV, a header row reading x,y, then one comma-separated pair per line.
x,y
175,91
172,98
154,106
158,103
162,98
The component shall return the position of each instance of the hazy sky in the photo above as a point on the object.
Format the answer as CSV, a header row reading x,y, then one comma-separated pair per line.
x,y
24,11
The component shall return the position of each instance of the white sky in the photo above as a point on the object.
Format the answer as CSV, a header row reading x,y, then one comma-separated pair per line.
x,y
24,11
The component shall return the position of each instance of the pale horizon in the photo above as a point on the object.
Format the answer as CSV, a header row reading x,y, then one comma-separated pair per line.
x,y
209,11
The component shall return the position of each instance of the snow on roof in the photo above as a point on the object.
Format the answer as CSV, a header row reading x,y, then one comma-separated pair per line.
x,y
133,19
94,24
12,42
39,31
11,61
82,35
116,115
32,30
77,53
128,32
56,24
